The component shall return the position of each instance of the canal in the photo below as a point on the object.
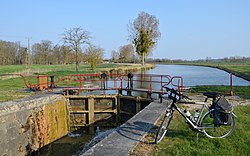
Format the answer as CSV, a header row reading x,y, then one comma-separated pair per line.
x,y
198,75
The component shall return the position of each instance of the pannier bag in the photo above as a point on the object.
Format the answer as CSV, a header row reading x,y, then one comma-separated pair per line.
x,y
223,112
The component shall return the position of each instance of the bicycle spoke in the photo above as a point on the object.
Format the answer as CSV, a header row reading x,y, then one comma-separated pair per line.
x,y
215,131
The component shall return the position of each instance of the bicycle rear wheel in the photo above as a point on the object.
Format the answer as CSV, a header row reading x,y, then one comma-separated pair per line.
x,y
216,131
164,126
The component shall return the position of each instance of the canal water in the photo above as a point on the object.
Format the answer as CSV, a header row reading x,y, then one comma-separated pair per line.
x,y
198,75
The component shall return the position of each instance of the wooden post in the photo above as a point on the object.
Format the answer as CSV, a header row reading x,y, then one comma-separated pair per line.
x,y
137,105
118,111
91,115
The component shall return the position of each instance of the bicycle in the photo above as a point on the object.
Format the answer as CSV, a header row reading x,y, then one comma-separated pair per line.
x,y
203,123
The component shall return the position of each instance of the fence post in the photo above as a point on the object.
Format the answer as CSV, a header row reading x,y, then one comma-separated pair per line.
x,y
231,84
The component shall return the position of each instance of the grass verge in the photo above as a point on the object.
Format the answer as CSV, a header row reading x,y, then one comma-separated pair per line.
x,y
241,91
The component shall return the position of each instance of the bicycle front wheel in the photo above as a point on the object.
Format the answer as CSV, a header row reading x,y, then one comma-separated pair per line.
x,y
216,131
164,126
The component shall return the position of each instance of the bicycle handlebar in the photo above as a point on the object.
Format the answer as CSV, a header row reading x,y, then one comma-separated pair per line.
x,y
173,91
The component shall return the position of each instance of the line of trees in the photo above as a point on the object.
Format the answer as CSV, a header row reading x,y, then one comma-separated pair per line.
x,y
45,52
12,53
143,34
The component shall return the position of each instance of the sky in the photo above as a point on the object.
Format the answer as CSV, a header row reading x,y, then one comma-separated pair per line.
x,y
190,29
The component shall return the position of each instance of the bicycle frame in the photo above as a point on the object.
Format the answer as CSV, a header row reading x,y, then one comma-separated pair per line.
x,y
194,125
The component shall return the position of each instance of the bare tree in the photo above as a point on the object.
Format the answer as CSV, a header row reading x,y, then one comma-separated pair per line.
x,y
47,46
94,56
75,37
114,55
42,52
22,56
126,53
8,52
56,56
144,34
66,54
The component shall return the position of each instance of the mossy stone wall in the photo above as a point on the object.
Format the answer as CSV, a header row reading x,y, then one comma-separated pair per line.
x,y
31,123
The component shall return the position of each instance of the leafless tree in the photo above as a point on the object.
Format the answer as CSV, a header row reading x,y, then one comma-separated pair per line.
x,y
42,52
114,55
144,34
8,52
126,53
75,38
67,54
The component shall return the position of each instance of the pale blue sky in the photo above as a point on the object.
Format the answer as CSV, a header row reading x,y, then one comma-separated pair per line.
x,y
190,29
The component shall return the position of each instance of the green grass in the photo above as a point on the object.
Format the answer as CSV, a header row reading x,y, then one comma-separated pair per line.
x,y
241,91
243,70
182,141
13,88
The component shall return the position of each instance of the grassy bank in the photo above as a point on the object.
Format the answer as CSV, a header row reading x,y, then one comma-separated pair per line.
x,y
241,91
182,141
68,69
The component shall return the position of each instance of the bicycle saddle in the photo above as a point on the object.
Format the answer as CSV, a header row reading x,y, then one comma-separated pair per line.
x,y
211,94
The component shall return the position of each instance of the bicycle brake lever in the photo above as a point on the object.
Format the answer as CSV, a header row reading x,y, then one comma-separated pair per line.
x,y
205,100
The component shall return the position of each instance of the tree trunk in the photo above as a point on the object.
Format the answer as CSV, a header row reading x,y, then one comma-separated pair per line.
x,y
77,63
143,59
77,66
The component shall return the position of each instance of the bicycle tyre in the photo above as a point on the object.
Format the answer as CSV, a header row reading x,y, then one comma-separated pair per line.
x,y
213,131
164,126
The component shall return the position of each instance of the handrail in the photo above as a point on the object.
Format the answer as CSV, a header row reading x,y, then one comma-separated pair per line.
x,y
118,82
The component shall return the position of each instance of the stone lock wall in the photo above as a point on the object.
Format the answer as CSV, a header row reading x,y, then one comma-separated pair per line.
x,y
31,123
